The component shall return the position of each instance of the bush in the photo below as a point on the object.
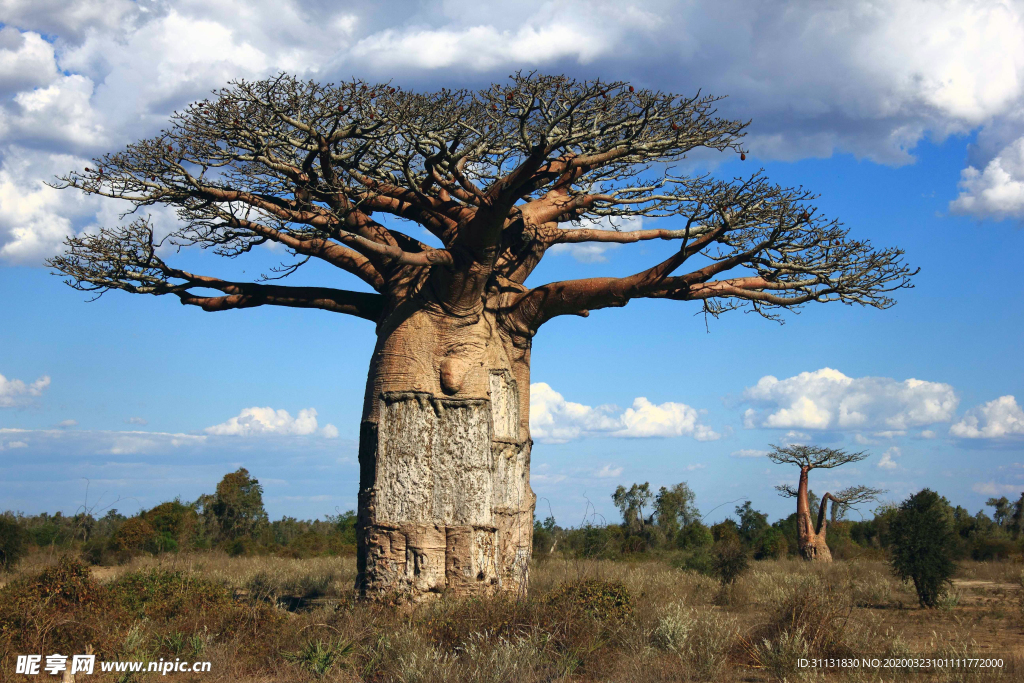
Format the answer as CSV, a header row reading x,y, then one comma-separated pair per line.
x,y
728,560
989,548
726,530
12,542
923,544
60,609
700,561
600,599
771,545
133,535
693,536
164,595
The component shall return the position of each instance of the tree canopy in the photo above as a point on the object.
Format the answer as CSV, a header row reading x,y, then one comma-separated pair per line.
x,y
497,176
811,457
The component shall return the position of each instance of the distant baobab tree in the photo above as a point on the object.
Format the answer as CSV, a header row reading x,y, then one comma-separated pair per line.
x,y
498,177
811,535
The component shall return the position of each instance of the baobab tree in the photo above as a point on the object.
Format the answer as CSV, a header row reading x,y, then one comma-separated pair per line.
x,y
811,535
496,177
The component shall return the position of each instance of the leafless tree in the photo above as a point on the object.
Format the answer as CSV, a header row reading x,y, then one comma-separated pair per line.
x,y
498,176
811,536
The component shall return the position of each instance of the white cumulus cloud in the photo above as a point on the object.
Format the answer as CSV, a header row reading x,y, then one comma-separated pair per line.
x,y
555,420
828,399
996,419
887,462
608,472
15,392
748,453
258,421
997,191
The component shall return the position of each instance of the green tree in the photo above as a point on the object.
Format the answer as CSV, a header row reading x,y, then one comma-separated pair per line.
x,y
12,541
238,505
1017,518
694,536
771,544
674,509
923,544
752,523
543,536
1002,511
631,503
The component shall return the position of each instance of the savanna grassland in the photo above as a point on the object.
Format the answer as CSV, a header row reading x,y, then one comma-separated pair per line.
x,y
266,618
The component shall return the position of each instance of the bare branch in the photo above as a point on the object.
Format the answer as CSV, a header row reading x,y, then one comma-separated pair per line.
x,y
126,259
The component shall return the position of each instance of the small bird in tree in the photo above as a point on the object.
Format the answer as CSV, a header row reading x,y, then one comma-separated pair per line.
x,y
811,536
498,176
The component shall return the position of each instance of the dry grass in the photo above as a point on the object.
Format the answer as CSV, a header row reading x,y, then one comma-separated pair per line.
x,y
287,620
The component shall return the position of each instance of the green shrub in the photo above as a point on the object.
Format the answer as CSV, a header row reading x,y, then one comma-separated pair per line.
x,y
162,595
694,536
699,560
922,545
600,599
728,560
12,542
988,548
771,545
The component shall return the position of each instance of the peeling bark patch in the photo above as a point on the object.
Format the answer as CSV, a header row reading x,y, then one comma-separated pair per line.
x,y
504,406
434,461
471,559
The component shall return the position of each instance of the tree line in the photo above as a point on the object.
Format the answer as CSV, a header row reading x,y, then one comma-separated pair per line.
x,y
232,519
668,524
664,524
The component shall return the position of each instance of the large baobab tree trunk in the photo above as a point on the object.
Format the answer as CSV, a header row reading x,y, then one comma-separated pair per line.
x,y
444,453
811,537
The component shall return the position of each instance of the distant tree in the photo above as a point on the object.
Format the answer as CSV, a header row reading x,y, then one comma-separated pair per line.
x,y
694,536
631,503
1002,510
923,544
725,530
674,509
133,535
1017,518
544,539
238,505
12,541
108,524
771,544
811,536
752,523
174,522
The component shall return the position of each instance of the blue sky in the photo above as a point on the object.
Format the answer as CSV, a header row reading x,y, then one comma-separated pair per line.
x,y
907,127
